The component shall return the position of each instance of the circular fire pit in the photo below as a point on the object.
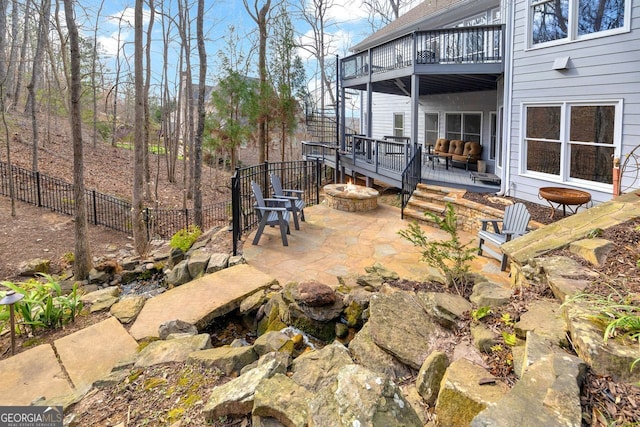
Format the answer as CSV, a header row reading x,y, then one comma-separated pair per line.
x,y
350,197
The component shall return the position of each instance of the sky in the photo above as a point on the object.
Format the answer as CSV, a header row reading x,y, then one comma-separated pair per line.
x,y
347,23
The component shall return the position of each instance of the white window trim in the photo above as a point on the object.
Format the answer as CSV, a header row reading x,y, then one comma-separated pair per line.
x,y
572,35
393,124
563,177
462,113
493,115
437,113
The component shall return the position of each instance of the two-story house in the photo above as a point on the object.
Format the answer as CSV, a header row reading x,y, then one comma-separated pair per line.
x,y
549,88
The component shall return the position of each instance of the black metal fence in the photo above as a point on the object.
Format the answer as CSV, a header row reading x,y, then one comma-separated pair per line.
x,y
304,175
55,194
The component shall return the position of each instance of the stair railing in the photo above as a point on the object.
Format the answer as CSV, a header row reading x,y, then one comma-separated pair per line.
x,y
411,177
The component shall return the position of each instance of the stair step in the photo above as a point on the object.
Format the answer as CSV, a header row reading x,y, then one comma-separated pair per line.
x,y
417,215
422,205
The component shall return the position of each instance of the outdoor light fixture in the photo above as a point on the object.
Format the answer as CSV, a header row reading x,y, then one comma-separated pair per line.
x,y
10,299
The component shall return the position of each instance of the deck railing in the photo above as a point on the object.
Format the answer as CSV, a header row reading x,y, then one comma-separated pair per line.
x,y
386,154
466,45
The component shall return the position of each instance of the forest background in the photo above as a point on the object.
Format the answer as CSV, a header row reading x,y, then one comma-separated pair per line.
x,y
187,83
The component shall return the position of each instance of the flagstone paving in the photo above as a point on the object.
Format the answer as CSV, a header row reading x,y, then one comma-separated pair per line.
x,y
333,243
31,374
91,353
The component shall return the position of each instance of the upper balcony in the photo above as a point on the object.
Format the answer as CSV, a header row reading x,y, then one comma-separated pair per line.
x,y
460,51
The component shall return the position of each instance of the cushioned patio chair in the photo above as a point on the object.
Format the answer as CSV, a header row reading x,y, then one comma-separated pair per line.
x,y
295,203
471,153
514,224
270,212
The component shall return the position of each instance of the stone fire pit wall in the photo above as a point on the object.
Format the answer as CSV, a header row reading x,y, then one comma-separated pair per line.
x,y
351,198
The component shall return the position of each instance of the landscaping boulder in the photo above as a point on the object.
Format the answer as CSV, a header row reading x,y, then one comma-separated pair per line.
x,y
400,326
34,266
317,369
368,354
360,397
127,308
236,396
466,390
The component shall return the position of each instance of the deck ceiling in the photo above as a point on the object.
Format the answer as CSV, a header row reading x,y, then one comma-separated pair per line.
x,y
435,84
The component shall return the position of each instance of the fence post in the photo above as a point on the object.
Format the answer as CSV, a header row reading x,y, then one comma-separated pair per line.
x,y
95,207
145,218
266,179
186,218
318,180
38,189
236,229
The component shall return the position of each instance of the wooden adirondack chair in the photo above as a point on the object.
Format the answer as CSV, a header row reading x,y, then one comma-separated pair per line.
x,y
270,212
514,224
295,203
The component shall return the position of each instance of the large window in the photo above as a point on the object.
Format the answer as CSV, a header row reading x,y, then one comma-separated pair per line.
x,y
464,126
398,124
552,20
571,141
430,128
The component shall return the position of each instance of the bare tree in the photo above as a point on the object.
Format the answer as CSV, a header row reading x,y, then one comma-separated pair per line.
x,y
197,154
23,54
116,86
13,55
82,256
94,85
36,75
315,14
3,82
382,12
137,214
261,16
147,84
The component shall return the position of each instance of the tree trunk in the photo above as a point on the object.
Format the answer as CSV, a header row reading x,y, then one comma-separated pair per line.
x,y
23,53
31,107
114,122
94,85
82,256
13,55
147,169
197,155
137,218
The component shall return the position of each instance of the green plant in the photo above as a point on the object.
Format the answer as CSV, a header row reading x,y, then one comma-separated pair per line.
x,y
596,232
44,305
506,319
185,238
481,313
450,257
618,315
509,339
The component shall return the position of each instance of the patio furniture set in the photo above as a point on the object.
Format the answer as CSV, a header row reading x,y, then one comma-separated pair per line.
x,y
277,211
454,151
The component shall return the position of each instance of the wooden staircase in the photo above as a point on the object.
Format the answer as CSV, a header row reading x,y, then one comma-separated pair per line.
x,y
430,198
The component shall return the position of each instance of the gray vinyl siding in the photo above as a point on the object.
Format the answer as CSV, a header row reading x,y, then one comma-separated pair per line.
x,y
600,69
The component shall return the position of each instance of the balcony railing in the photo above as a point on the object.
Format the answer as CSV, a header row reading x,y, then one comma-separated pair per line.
x,y
466,45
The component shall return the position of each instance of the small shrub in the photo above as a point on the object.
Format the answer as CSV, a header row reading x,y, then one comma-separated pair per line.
x,y
481,313
185,238
509,339
450,257
43,305
618,315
